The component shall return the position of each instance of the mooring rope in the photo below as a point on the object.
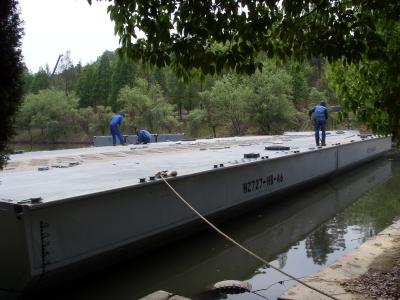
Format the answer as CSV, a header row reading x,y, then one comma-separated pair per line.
x,y
239,245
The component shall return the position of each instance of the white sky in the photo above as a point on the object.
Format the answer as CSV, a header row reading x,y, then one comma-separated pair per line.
x,y
54,26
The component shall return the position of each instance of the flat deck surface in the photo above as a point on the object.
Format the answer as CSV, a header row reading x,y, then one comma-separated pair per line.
x,y
75,172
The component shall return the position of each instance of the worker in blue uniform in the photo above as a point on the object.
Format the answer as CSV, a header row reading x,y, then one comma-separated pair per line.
x,y
320,116
115,123
143,136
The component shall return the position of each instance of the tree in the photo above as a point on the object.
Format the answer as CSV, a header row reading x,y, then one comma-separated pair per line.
x,y
102,83
371,89
212,111
85,118
181,33
298,72
123,74
11,71
67,74
208,114
196,120
316,96
41,80
50,111
185,95
231,95
85,89
27,80
271,108
146,107
101,119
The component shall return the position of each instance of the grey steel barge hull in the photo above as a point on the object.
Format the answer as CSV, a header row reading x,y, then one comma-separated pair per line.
x,y
268,235
69,214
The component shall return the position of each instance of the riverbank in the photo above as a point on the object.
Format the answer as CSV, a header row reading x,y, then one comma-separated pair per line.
x,y
370,272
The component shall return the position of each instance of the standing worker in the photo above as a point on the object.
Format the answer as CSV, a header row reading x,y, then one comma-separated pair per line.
x,y
143,136
320,115
115,123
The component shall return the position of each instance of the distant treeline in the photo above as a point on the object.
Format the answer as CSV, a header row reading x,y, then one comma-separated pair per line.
x,y
78,101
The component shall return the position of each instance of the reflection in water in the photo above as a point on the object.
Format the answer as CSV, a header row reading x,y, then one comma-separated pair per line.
x,y
300,234
324,240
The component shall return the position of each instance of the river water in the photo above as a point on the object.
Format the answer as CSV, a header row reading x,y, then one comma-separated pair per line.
x,y
301,235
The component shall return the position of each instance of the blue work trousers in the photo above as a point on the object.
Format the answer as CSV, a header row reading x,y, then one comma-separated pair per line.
x,y
320,125
116,133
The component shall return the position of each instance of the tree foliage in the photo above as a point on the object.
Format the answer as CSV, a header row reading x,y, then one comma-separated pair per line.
x,y
299,72
263,100
211,36
156,99
85,87
184,95
371,89
182,33
146,107
208,114
316,96
271,106
66,74
101,120
230,97
102,82
11,70
50,111
123,74
40,80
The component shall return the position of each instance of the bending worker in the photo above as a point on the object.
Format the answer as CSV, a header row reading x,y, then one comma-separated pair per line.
x,y
320,115
143,136
115,123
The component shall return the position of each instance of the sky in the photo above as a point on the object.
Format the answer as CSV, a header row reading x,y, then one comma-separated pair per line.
x,y
53,27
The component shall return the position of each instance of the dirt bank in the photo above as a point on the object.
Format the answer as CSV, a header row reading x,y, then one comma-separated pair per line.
x,y
382,281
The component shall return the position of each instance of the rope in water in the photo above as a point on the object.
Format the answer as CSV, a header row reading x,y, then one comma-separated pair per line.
x,y
239,245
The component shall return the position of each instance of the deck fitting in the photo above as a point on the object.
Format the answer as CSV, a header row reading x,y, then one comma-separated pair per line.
x,y
33,200
36,199
251,155
141,180
277,147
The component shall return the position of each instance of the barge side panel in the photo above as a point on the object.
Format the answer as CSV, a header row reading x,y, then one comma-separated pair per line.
x,y
15,273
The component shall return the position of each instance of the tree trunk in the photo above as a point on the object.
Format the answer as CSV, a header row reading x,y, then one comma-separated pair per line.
x,y
30,137
214,131
180,111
